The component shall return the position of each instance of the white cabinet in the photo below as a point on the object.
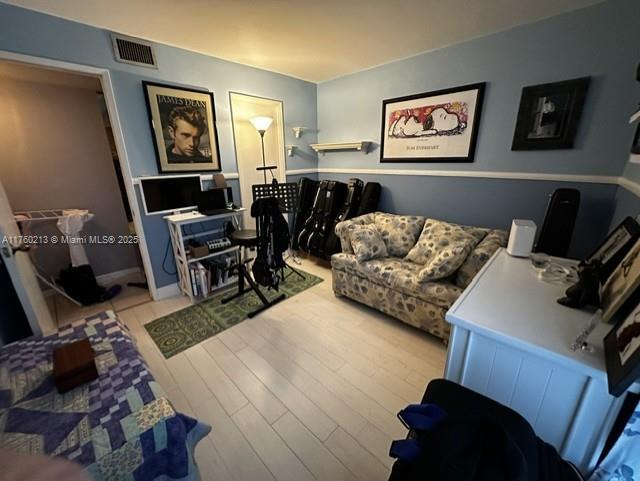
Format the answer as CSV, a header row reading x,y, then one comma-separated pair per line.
x,y
510,341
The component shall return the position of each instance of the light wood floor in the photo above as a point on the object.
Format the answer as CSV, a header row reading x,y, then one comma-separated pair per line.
x,y
307,390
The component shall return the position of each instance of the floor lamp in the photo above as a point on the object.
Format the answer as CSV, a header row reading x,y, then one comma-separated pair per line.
x,y
262,124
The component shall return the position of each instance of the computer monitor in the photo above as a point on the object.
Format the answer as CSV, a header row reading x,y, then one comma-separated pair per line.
x,y
169,193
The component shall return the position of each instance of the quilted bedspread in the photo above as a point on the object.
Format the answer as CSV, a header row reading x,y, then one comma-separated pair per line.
x,y
119,426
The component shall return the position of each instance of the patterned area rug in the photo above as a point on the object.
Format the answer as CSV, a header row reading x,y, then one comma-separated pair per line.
x,y
185,328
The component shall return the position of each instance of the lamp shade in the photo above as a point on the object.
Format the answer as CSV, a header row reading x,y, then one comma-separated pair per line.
x,y
261,124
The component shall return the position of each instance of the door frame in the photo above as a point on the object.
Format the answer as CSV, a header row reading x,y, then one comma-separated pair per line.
x,y
104,77
280,139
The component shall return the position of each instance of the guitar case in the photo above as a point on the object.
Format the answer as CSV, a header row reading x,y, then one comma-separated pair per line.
x,y
307,189
314,217
370,198
347,211
336,193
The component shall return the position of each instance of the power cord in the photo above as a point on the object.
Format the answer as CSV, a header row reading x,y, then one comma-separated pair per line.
x,y
164,261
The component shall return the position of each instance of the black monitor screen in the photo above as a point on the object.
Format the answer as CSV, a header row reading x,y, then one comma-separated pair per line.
x,y
167,194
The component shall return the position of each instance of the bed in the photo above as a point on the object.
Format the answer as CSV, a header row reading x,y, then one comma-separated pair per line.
x,y
120,426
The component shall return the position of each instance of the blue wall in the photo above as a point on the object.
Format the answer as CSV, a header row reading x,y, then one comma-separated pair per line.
x,y
600,41
32,33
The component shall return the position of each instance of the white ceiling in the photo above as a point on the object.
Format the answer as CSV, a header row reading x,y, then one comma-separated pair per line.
x,y
314,40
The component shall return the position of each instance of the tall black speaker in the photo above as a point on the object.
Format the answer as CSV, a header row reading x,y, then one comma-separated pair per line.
x,y
559,222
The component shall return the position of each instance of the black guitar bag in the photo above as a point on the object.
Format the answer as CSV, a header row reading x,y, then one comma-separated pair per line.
x,y
370,198
315,216
307,190
336,193
347,211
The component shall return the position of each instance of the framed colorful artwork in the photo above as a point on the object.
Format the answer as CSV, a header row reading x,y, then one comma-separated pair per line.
x,y
183,128
439,126
549,114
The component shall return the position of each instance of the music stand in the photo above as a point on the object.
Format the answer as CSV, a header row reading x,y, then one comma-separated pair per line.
x,y
287,195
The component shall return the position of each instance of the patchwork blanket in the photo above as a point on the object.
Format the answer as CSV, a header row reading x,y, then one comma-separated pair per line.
x,y
119,426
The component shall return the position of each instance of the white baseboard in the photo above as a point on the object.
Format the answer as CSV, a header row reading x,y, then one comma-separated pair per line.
x,y
170,290
112,277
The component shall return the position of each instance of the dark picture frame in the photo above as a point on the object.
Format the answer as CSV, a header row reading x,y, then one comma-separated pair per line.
x,y
612,250
183,128
622,284
622,346
549,115
635,145
437,126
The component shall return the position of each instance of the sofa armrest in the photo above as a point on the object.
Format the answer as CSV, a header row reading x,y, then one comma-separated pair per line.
x,y
343,230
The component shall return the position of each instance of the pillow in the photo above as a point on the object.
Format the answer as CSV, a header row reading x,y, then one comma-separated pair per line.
x,y
437,235
399,232
480,255
367,243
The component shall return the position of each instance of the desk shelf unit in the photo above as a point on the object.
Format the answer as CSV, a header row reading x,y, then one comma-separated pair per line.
x,y
185,264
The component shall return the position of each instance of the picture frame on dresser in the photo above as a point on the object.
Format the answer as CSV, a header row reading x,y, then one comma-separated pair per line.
x,y
612,250
437,126
622,346
623,284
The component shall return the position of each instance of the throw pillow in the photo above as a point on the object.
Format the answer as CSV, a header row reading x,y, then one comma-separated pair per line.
x,y
367,243
399,232
438,235
480,255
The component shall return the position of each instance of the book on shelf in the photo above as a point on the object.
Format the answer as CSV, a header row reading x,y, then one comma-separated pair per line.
x,y
209,274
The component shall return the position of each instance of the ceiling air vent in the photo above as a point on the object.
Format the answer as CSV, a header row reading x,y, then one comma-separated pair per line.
x,y
133,50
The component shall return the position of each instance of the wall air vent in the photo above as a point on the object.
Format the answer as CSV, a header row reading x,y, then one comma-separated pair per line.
x,y
133,51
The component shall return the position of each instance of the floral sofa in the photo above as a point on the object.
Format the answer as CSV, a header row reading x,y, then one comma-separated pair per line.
x,y
410,267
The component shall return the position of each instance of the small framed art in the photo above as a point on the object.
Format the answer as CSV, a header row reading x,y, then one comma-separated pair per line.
x,y
549,115
622,283
183,128
622,346
439,126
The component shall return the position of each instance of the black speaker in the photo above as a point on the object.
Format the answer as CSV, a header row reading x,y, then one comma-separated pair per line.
x,y
370,198
559,222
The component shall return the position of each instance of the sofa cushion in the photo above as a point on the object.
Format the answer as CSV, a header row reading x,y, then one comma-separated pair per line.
x,y
399,232
398,275
344,228
438,236
367,243
480,255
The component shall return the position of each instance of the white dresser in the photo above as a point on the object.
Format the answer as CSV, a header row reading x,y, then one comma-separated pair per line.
x,y
510,341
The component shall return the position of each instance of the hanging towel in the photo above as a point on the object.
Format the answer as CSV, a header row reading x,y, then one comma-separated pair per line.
x,y
71,224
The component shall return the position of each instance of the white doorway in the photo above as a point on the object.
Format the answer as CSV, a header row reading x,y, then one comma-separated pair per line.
x,y
20,269
248,145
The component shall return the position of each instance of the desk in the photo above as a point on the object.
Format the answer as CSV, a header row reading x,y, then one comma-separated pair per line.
x,y
176,222
510,341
